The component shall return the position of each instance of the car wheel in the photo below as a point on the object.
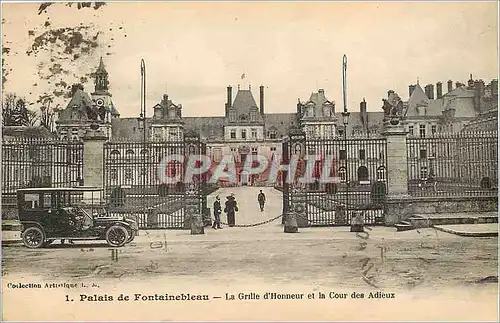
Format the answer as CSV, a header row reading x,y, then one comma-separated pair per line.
x,y
33,237
131,236
116,236
48,242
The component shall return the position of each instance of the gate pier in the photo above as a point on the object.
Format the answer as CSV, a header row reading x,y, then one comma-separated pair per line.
x,y
397,175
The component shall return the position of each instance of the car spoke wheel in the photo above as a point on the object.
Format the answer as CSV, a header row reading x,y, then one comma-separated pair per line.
x,y
33,237
116,236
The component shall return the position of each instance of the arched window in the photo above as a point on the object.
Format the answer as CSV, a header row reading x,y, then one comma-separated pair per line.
x,y
129,153
115,153
381,173
362,173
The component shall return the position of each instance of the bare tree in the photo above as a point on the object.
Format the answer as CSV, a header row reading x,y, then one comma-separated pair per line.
x,y
47,115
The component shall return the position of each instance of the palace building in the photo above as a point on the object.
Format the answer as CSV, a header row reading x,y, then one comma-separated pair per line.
x,y
247,128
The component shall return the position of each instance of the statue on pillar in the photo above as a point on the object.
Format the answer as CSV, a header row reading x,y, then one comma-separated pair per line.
x,y
393,108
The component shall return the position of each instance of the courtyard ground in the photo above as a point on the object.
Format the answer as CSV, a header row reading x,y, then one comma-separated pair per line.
x,y
434,274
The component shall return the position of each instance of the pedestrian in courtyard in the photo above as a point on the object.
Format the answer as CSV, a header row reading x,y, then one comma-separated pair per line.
x,y
262,200
217,212
231,207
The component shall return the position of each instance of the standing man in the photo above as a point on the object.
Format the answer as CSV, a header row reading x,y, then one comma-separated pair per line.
x,y
230,209
217,212
262,200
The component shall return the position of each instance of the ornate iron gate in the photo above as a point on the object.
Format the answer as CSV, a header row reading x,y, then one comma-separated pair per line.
x,y
146,180
358,171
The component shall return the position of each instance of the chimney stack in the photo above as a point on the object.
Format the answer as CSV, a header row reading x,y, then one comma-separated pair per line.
x,y
229,99
478,95
411,88
362,111
429,91
470,83
450,85
458,84
229,96
439,90
262,99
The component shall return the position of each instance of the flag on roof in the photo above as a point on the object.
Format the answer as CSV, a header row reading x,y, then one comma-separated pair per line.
x,y
243,76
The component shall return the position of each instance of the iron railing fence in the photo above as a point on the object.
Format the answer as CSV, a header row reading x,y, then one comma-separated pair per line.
x,y
358,168
33,162
134,186
459,164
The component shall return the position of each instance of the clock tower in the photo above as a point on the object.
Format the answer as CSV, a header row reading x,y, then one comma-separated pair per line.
x,y
101,98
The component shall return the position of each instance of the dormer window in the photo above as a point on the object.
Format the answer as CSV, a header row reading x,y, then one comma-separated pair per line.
x,y
253,115
327,110
243,117
232,116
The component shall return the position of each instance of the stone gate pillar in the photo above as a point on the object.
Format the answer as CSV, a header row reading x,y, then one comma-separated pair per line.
x,y
93,160
397,170
193,194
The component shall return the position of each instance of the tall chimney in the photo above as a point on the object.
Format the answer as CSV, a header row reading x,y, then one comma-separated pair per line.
x,y
478,95
363,113
429,91
439,90
450,85
229,96
411,88
261,99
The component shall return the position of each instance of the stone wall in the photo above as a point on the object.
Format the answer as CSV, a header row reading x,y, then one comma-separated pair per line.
x,y
402,209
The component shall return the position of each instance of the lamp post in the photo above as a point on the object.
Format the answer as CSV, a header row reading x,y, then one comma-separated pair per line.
x,y
142,117
345,121
142,127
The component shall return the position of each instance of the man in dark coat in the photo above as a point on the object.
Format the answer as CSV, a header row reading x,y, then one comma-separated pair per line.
x,y
217,212
231,208
262,200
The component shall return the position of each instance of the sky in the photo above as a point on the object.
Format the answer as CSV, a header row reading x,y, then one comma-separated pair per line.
x,y
195,50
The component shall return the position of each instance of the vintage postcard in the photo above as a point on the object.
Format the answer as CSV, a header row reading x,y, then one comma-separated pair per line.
x,y
249,161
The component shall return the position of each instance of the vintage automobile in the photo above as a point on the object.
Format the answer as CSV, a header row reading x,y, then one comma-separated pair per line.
x,y
49,214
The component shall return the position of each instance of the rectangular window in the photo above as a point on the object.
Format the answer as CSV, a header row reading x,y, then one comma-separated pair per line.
x,y
243,134
233,134
410,130
362,154
422,131
433,129
254,133
343,155
273,148
423,153
423,172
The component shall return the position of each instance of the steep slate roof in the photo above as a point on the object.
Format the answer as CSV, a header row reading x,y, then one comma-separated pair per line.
x,y
128,129
319,99
210,128
375,120
243,104
417,98
79,102
280,122
244,100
